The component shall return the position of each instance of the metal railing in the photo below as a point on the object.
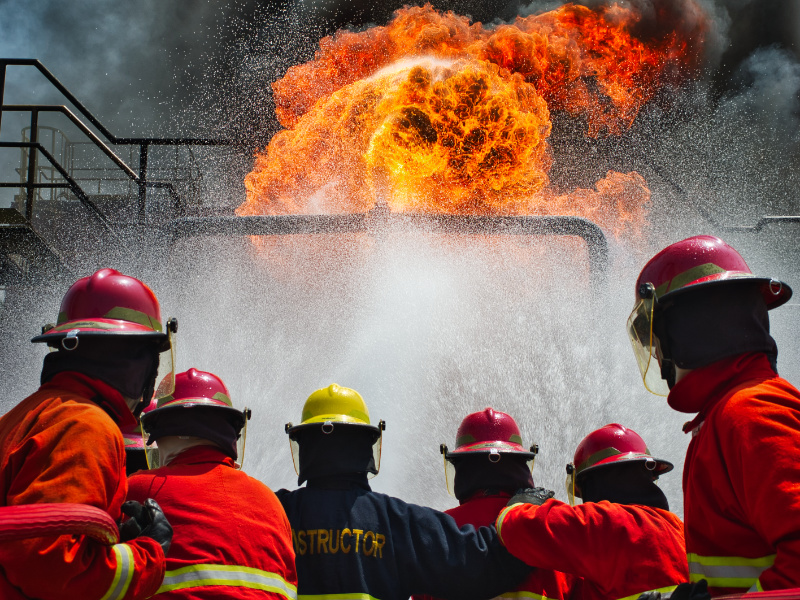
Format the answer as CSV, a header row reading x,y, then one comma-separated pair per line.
x,y
757,227
138,177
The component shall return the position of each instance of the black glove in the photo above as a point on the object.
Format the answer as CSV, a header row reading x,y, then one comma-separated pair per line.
x,y
691,591
654,595
146,520
537,496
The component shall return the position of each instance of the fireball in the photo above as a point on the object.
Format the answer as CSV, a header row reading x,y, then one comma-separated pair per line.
x,y
434,114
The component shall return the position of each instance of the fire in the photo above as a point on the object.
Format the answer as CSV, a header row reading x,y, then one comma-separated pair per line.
x,y
435,114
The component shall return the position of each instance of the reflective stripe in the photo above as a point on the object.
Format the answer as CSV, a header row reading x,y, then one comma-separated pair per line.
x,y
728,571
521,595
499,523
123,574
230,575
663,590
354,596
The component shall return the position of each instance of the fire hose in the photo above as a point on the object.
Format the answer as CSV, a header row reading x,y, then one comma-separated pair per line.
x,y
40,520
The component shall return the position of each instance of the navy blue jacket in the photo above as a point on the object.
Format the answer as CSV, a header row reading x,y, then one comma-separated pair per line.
x,y
353,541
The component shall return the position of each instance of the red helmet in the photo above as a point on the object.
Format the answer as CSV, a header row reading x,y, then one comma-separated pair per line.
x,y
489,432
107,303
692,264
614,444
195,388
703,260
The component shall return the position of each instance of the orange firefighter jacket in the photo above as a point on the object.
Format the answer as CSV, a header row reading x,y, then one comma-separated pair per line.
x,y
61,445
482,510
620,550
231,536
741,477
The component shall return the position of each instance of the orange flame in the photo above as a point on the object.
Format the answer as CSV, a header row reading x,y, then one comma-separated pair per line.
x,y
434,114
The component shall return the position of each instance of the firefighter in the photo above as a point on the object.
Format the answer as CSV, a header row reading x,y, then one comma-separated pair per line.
x,y
352,542
622,540
489,464
232,538
700,332
63,444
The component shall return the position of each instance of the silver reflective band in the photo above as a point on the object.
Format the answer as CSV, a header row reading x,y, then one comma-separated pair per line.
x,y
123,573
521,595
208,575
351,596
728,571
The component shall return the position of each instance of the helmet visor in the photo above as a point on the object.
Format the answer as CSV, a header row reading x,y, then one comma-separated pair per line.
x,y
242,439
377,446
294,447
645,347
570,484
449,476
151,453
165,379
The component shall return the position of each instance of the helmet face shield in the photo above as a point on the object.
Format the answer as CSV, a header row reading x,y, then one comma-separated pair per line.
x,y
294,446
165,379
377,447
242,439
645,346
151,453
572,491
449,474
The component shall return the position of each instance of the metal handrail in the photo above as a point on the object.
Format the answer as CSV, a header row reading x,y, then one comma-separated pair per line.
x,y
70,183
58,108
144,144
32,62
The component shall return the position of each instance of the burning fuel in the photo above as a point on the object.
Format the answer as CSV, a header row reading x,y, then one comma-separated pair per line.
x,y
434,114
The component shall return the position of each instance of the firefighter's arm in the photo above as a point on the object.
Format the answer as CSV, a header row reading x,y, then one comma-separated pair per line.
x,y
765,443
560,537
448,562
80,567
78,460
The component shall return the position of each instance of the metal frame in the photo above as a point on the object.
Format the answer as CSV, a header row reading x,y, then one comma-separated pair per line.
x,y
380,220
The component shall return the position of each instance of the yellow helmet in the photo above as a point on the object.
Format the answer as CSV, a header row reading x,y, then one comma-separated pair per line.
x,y
336,408
336,404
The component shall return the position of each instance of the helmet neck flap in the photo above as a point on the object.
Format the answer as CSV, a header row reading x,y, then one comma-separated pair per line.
x,y
622,483
126,364
702,326
345,452
204,422
475,472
